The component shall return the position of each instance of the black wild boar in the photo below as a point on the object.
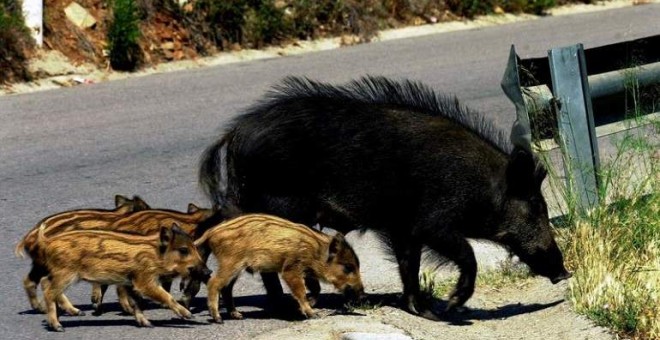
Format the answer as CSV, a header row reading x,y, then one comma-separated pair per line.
x,y
263,243
106,257
66,221
394,157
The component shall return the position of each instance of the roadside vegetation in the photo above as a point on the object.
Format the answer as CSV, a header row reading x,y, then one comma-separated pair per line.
x,y
508,273
15,42
131,34
613,250
123,34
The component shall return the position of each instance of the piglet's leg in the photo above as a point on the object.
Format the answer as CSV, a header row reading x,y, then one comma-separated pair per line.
x,y
53,289
294,279
228,299
131,299
31,290
98,291
149,287
67,306
125,299
62,301
30,283
221,280
312,283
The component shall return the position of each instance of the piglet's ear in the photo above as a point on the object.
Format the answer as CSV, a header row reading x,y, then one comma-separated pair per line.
x,y
522,176
192,208
335,246
166,236
121,201
140,204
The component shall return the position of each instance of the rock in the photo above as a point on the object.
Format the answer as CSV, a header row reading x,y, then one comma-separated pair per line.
x,y
53,63
79,16
349,39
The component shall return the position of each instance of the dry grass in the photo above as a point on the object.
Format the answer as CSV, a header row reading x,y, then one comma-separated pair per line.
x,y
614,249
508,273
614,254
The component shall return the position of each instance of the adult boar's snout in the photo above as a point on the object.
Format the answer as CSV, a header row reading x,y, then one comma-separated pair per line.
x,y
563,276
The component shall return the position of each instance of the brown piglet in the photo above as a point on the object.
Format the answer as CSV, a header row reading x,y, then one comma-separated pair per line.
x,y
106,257
149,222
264,243
67,221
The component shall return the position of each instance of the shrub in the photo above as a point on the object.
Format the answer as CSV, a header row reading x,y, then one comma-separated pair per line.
x,y
123,34
527,6
15,42
265,24
470,8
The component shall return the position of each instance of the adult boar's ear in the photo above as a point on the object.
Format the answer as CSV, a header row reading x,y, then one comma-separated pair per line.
x,y
166,236
523,175
335,246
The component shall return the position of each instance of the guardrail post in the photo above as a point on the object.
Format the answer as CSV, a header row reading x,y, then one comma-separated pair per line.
x,y
576,124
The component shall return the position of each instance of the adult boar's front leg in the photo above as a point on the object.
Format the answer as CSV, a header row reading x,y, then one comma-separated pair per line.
x,y
456,248
408,255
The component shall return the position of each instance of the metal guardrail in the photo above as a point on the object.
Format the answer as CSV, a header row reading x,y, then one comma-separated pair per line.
x,y
563,95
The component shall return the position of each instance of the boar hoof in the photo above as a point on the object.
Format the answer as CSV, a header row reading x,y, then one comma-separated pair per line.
x,y
57,328
236,315
143,322
429,315
217,320
311,315
185,314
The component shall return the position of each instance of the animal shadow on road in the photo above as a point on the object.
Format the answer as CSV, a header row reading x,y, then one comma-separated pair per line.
x,y
463,317
109,317
286,309
100,321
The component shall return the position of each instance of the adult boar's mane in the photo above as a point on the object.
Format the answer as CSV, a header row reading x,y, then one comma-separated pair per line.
x,y
406,94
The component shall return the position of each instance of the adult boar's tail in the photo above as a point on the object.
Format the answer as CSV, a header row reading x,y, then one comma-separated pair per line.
x,y
210,171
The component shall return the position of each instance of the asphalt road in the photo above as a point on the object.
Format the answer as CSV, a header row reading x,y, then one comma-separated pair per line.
x,y
78,147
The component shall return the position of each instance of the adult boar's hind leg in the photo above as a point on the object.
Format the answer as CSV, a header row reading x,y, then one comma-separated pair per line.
x,y
456,248
408,255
